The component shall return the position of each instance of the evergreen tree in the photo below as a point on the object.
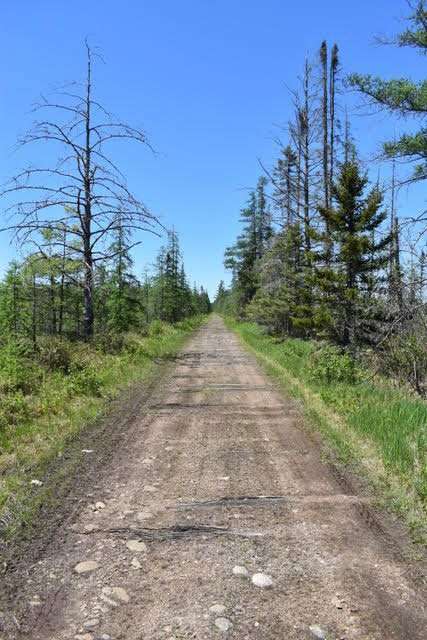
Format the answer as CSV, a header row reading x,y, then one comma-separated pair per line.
x,y
403,96
284,181
281,302
123,298
242,257
359,257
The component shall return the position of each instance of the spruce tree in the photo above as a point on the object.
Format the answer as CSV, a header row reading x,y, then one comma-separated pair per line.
x,y
359,256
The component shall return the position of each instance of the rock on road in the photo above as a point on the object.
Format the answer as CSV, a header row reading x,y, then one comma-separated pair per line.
x,y
215,518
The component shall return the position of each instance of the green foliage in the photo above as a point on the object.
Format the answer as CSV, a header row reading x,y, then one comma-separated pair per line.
x,y
85,381
403,96
359,256
244,256
37,424
110,342
54,354
18,372
329,364
158,328
15,409
404,357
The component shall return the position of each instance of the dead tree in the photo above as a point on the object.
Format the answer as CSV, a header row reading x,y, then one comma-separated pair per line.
x,y
332,108
83,197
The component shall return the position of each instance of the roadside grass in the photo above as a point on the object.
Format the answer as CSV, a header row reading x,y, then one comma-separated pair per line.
x,y
48,399
372,425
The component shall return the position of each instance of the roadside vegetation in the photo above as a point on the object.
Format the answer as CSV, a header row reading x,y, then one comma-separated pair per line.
x,y
333,274
55,381
49,396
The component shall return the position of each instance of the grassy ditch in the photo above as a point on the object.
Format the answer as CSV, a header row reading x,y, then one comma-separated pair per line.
x,y
378,428
48,398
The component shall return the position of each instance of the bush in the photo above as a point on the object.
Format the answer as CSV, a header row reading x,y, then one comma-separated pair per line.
x,y
18,372
329,364
55,354
15,409
134,345
86,382
405,357
158,328
83,355
110,342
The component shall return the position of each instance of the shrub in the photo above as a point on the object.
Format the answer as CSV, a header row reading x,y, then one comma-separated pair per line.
x,y
15,409
55,354
110,342
86,381
331,365
83,355
135,346
158,328
18,372
405,358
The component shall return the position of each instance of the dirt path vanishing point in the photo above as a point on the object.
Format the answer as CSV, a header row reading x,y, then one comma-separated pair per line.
x,y
213,483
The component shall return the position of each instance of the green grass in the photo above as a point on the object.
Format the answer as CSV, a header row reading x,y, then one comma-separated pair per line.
x,y
374,425
43,408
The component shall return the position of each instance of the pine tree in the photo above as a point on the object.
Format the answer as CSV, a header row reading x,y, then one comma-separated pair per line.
x,y
284,181
242,257
123,298
12,301
280,302
403,96
264,229
359,256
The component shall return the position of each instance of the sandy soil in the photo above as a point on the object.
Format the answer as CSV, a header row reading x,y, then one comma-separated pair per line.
x,y
214,472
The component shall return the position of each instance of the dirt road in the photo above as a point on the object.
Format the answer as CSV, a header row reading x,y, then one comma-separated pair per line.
x,y
215,474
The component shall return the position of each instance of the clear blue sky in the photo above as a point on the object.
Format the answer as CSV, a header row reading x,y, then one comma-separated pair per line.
x,y
206,79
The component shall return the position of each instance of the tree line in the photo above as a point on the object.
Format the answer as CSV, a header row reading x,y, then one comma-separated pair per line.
x,y
42,295
321,252
77,221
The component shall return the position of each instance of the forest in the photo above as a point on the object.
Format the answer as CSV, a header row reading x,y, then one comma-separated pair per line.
x,y
323,253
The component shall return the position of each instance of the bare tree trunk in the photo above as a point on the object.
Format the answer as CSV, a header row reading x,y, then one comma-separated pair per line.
x,y
298,184
325,145
34,313
87,215
52,304
305,131
62,288
288,191
332,82
392,219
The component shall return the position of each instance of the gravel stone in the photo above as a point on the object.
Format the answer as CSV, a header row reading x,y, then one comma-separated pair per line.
x,y
223,624
317,632
240,572
145,514
262,580
136,545
118,593
217,608
136,563
91,624
86,566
